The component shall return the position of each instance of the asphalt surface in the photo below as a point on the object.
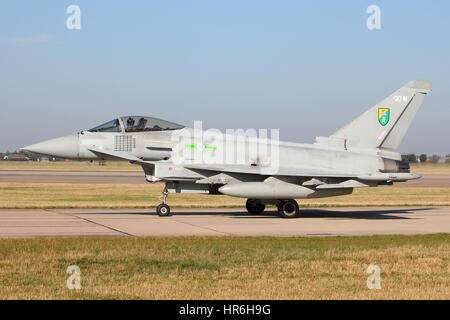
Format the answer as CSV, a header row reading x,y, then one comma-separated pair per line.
x,y
136,177
51,176
23,223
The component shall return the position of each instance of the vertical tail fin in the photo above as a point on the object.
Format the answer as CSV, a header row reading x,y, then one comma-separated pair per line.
x,y
385,124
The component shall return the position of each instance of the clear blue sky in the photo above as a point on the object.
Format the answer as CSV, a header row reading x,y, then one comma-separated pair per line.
x,y
306,68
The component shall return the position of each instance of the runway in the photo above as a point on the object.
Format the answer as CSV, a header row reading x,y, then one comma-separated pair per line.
x,y
137,177
25,223
53,176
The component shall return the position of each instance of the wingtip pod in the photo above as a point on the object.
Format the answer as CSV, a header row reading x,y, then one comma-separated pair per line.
x,y
420,85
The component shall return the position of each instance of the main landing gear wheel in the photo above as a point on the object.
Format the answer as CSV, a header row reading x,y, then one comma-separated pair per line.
x,y
163,210
288,209
254,207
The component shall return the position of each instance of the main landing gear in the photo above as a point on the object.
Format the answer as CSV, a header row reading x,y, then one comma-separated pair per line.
x,y
286,208
254,206
163,210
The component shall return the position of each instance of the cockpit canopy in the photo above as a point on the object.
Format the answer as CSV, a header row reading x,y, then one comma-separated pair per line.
x,y
110,126
136,124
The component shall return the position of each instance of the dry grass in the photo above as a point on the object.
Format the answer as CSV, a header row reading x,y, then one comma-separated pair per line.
x,y
430,168
48,195
412,267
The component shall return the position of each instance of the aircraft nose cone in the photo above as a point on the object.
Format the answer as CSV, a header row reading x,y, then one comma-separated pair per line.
x,y
63,147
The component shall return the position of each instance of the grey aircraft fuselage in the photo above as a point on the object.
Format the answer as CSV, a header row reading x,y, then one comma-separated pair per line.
x,y
266,171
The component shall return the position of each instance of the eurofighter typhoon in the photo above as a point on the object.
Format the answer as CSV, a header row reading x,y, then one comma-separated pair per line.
x,y
264,170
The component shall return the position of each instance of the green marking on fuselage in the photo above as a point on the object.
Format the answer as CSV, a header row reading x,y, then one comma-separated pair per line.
x,y
209,147
191,146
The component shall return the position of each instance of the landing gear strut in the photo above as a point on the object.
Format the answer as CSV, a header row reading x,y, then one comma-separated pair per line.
x,y
288,209
254,206
163,210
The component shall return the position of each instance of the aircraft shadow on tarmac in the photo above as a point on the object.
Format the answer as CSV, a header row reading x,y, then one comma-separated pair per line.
x,y
320,213
369,213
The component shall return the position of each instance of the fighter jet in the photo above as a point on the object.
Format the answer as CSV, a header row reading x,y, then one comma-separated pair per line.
x,y
263,170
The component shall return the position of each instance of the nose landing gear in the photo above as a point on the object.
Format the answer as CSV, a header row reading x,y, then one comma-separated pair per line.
x,y
163,210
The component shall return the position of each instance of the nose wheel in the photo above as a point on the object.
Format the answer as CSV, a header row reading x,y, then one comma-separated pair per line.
x,y
163,210
288,209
